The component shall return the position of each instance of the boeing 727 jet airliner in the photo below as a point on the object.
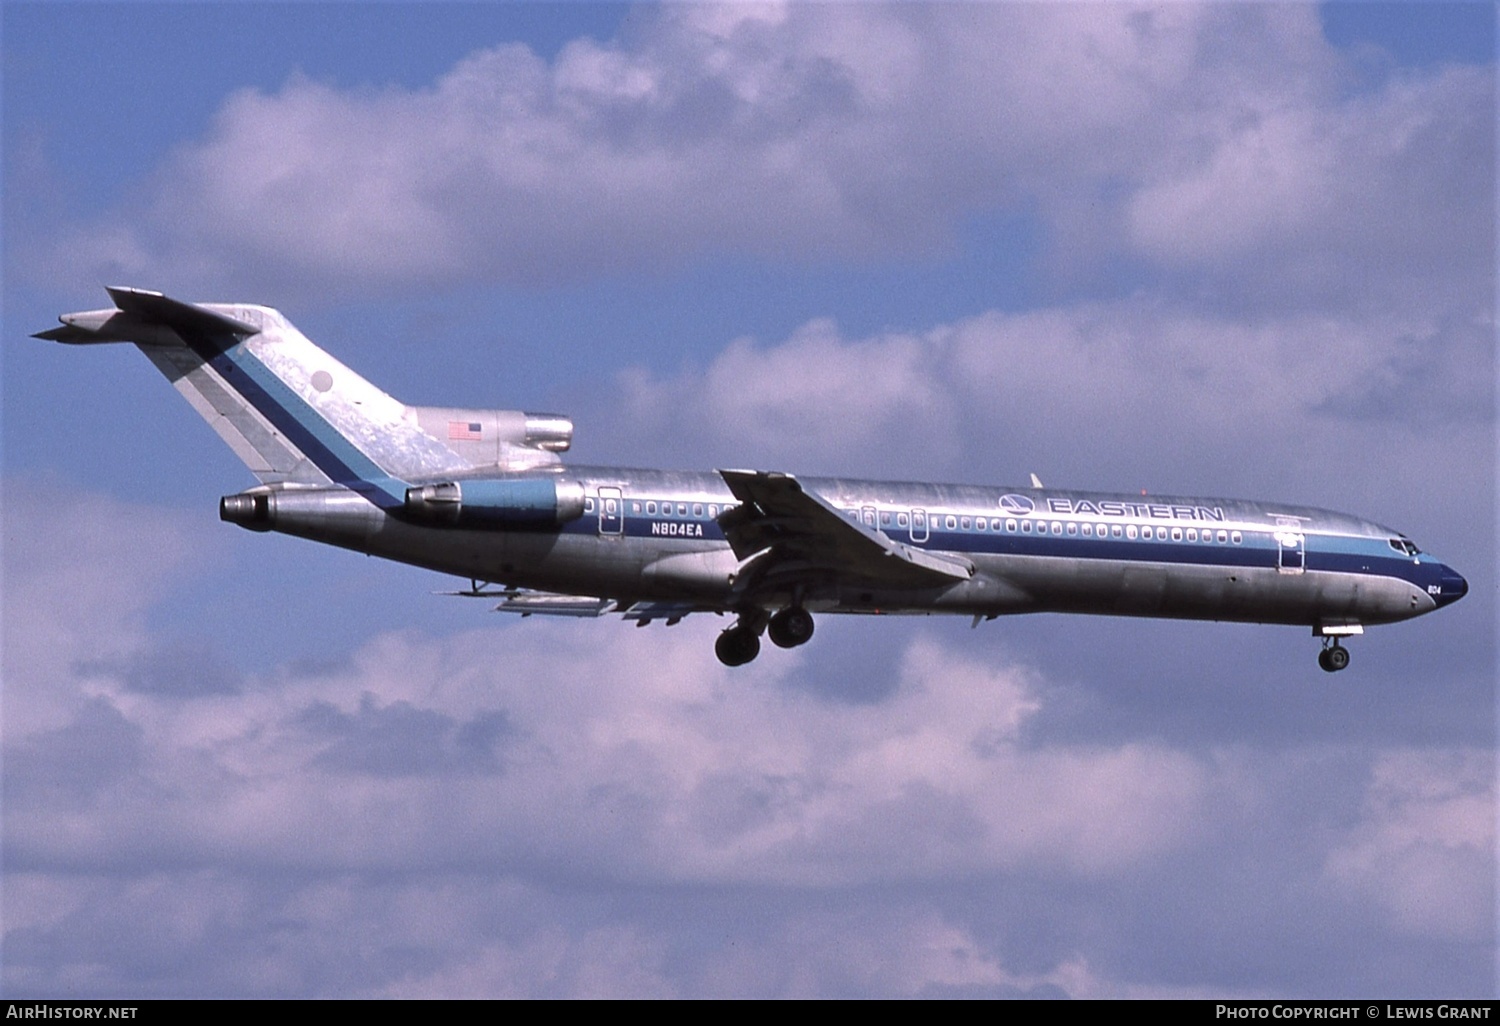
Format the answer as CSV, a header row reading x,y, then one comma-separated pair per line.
x,y
484,494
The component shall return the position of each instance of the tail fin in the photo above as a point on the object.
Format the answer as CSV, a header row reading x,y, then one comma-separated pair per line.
x,y
291,412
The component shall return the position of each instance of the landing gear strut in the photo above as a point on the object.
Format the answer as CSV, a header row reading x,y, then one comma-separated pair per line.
x,y
791,627
1334,656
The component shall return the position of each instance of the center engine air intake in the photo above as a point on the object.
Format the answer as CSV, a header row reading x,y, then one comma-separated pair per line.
x,y
536,501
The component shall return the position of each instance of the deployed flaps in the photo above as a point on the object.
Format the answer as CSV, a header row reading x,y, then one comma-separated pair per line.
x,y
539,501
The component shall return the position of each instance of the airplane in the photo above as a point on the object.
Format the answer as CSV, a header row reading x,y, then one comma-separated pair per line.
x,y
485,495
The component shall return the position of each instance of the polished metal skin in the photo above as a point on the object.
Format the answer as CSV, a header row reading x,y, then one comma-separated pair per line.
x,y
485,495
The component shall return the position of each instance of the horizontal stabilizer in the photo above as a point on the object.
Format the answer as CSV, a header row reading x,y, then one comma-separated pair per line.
x,y
137,315
153,307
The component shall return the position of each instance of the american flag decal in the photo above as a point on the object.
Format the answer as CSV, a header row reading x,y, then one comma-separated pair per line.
x,y
465,431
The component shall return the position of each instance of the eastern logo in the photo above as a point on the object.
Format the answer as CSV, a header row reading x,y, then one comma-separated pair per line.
x,y
1019,505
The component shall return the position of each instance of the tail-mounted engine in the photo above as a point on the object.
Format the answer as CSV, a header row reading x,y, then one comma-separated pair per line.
x,y
534,501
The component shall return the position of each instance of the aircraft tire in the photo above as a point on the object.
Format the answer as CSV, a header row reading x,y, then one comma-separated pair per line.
x,y
737,646
790,627
1334,659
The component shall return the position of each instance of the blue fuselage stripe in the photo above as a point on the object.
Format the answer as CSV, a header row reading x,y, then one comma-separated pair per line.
x,y
1331,553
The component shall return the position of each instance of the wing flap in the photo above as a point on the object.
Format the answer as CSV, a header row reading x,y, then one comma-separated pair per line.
x,y
547,603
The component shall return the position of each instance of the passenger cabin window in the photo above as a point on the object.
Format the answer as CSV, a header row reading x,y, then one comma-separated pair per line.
x,y
951,521
1010,525
1236,537
697,509
965,523
1026,527
682,509
1114,530
1130,531
902,519
588,505
1177,534
1072,528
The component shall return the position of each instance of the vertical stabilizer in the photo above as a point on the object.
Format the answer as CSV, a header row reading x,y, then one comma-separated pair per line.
x,y
290,411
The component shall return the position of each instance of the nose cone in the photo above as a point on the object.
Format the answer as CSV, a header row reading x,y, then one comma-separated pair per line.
x,y
1452,587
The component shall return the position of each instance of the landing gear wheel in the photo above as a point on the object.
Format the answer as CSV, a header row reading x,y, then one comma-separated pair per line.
x,y
790,627
1334,658
737,646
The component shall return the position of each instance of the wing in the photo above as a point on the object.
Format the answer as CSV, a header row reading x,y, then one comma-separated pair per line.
x,y
793,532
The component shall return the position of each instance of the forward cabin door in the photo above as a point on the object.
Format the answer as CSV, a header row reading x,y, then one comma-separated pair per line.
x,y
1291,547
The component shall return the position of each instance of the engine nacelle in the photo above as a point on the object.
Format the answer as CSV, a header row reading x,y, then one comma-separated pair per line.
x,y
537,502
481,436
335,515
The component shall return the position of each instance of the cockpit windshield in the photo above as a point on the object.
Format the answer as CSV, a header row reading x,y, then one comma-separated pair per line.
x,y
1405,546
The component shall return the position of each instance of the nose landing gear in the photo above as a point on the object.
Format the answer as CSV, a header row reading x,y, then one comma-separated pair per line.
x,y
1334,656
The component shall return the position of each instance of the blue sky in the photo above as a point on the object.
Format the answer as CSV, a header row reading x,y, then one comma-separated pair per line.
x,y
1220,250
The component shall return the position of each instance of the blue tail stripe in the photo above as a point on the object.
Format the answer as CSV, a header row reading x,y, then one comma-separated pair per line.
x,y
289,413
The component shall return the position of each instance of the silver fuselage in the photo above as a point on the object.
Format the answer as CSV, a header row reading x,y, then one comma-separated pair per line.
x,y
651,535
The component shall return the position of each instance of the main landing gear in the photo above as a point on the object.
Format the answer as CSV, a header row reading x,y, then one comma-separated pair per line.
x,y
791,627
787,628
737,646
1334,656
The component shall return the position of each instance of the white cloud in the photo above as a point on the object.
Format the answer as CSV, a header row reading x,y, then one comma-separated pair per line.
x,y
1398,186
457,800
1425,853
1208,404
1209,136
81,571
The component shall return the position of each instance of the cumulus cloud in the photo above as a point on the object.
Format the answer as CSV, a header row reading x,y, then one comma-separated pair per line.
x,y
454,804
1002,394
1425,851
1203,138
